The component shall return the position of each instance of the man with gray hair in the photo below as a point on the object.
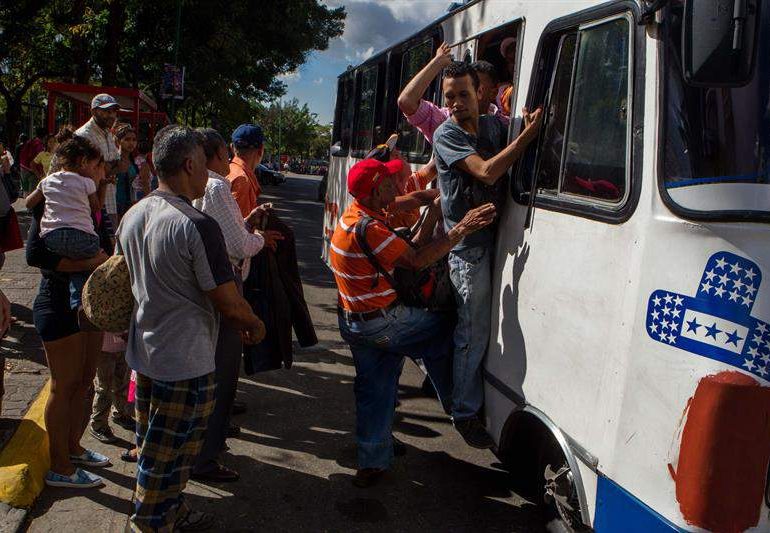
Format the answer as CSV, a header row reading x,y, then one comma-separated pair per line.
x,y
183,283
242,244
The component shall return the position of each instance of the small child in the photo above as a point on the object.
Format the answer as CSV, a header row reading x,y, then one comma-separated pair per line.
x,y
42,161
67,226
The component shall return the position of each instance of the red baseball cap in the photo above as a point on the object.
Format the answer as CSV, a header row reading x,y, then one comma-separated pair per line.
x,y
366,175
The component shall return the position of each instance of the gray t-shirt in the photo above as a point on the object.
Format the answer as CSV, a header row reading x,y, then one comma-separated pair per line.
x,y
452,144
174,253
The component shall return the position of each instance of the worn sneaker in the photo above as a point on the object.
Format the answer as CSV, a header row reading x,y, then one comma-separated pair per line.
x,y
104,435
81,479
474,433
90,458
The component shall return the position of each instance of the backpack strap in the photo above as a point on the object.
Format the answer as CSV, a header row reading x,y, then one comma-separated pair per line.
x,y
360,235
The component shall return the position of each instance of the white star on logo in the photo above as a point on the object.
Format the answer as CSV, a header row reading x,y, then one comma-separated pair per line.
x,y
749,364
664,324
706,287
757,339
653,328
736,268
762,371
655,315
656,301
723,279
671,339
750,274
753,352
662,335
674,327
734,296
747,300
675,313
751,290
719,291
666,311
765,357
668,298
721,262
738,284
710,275
762,327
678,300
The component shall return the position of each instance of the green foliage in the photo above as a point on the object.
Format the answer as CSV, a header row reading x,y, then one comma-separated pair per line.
x,y
232,50
295,127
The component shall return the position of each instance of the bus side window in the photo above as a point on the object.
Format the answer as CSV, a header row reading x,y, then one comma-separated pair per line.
x,y
584,149
343,113
411,142
367,98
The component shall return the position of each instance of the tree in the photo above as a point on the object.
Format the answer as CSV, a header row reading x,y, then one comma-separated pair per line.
x,y
295,127
232,50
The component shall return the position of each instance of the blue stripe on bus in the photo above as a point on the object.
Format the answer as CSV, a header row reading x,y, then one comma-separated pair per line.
x,y
747,178
619,510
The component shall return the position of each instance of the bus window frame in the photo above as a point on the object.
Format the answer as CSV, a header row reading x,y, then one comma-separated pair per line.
x,y
338,111
733,215
359,74
543,70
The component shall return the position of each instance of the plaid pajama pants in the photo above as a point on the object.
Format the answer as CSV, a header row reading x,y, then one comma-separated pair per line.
x,y
171,418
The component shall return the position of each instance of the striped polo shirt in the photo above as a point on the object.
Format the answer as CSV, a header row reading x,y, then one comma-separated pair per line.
x,y
360,287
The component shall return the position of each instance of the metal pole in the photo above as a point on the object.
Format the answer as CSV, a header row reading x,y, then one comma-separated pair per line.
x,y
280,117
176,53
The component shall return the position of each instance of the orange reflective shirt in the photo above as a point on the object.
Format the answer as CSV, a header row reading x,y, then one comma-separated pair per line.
x,y
360,287
418,181
244,185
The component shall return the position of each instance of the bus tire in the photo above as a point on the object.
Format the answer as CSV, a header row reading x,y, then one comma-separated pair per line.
x,y
540,471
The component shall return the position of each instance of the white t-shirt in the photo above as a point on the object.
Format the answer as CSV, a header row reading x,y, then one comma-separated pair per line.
x,y
66,202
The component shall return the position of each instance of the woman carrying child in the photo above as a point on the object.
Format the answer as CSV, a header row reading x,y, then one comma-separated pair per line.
x,y
72,354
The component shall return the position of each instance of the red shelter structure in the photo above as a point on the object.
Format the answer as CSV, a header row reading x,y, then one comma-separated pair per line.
x,y
135,105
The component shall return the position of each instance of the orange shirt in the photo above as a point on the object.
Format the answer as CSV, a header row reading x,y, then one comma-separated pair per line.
x,y
361,288
244,185
418,181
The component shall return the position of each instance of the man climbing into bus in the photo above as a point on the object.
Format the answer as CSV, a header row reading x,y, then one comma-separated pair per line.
x,y
426,116
471,156
373,317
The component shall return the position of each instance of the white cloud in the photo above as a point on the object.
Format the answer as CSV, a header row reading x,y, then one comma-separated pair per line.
x,y
318,81
294,75
414,10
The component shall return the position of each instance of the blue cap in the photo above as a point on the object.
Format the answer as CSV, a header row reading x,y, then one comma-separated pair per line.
x,y
248,136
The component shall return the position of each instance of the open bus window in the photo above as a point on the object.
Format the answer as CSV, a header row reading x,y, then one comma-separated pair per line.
x,y
584,149
501,48
411,142
344,112
716,159
362,140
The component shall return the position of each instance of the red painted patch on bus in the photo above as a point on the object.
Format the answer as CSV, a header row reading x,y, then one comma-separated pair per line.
x,y
724,453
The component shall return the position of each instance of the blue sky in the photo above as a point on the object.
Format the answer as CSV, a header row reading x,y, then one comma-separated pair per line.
x,y
371,25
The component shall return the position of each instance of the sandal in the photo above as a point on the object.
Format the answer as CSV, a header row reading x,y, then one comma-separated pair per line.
x,y
128,457
195,521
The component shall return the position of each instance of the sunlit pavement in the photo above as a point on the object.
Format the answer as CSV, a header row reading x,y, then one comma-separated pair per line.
x,y
296,451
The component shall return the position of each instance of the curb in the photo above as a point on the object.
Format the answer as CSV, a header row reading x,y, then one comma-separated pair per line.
x,y
25,460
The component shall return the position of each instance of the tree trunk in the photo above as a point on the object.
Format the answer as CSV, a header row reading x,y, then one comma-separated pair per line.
x,y
13,124
111,52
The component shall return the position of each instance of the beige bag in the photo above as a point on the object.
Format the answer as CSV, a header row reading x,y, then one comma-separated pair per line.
x,y
107,299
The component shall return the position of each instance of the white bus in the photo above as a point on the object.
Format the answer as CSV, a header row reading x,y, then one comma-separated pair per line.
x,y
626,378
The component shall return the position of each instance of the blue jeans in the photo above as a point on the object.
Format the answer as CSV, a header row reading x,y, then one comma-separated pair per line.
x,y
73,244
471,275
378,348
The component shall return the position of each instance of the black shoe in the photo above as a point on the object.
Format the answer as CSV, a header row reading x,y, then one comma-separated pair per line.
x,y
124,421
399,448
367,477
474,433
233,431
218,474
238,408
104,435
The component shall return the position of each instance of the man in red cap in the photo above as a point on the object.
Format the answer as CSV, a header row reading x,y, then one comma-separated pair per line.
x,y
378,327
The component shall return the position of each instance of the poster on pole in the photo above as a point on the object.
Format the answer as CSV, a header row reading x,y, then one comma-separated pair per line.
x,y
172,82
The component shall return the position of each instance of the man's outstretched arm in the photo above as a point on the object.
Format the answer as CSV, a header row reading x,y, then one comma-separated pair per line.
x,y
409,99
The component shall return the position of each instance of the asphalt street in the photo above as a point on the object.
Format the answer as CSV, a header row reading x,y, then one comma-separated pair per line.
x,y
296,451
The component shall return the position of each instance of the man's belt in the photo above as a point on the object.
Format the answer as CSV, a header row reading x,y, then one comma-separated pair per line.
x,y
365,316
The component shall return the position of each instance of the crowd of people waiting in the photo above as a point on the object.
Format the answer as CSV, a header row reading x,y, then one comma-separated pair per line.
x,y
185,220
